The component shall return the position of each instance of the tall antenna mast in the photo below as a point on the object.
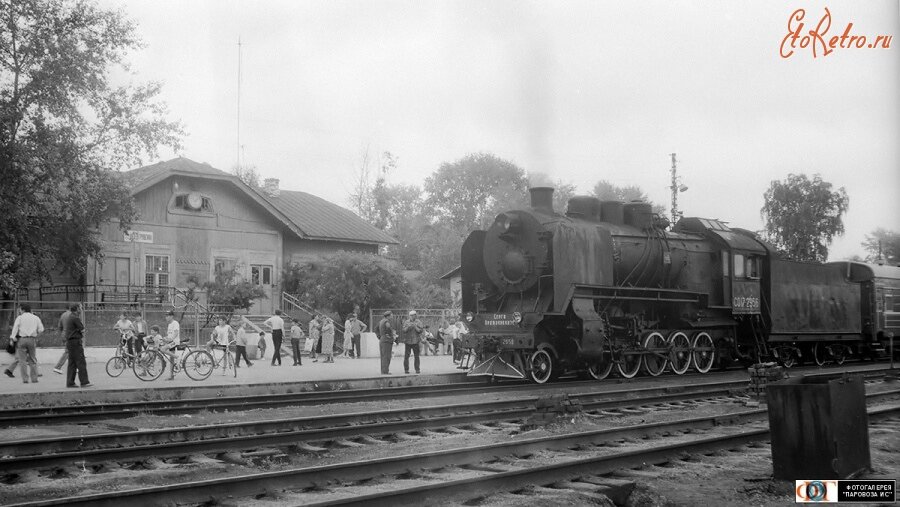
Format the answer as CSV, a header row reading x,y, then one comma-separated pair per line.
x,y
240,58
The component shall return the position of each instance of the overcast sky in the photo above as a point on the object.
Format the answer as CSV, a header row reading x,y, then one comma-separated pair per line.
x,y
580,91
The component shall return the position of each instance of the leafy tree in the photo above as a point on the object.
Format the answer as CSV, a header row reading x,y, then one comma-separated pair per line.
x,y
230,290
606,191
882,244
468,193
343,280
248,174
64,131
428,294
803,216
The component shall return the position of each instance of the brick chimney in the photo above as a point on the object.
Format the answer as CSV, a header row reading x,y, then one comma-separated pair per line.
x,y
270,186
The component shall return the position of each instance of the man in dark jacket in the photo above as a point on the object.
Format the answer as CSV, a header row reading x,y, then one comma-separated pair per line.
x,y
386,339
72,330
412,337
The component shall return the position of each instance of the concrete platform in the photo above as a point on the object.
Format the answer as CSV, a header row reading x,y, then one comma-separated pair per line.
x,y
362,373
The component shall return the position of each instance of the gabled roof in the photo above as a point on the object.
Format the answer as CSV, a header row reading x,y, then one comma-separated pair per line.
x,y
308,216
320,219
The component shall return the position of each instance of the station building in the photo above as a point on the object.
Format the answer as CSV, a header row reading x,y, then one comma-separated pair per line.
x,y
195,219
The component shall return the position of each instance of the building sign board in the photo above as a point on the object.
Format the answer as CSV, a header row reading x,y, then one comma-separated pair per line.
x,y
139,236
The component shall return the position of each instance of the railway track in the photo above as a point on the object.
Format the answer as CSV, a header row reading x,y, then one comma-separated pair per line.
x,y
465,473
71,414
336,429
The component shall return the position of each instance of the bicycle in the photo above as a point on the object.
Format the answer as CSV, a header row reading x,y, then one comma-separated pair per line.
x,y
224,356
122,358
197,364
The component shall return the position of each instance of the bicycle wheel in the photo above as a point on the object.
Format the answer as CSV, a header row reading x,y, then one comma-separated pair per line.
x,y
198,365
149,365
115,366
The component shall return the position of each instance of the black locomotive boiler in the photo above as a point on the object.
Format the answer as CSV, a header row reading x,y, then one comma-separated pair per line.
x,y
609,285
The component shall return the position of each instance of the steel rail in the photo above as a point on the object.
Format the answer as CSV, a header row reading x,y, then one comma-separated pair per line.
x,y
311,477
93,413
47,451
66,414
548,474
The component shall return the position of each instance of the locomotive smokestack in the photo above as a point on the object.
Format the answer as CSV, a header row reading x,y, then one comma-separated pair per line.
x,y
542,198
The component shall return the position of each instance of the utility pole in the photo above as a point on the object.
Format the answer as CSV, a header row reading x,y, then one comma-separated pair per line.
x,y
240,57
676,188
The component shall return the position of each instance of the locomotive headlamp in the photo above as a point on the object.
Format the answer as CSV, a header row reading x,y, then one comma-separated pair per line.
x,y
469,317
508,223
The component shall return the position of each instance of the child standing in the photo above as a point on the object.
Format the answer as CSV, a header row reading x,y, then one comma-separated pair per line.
x,y
140,328
261,345
296,336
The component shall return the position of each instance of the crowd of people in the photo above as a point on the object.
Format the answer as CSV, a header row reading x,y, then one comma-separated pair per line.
x,y
23,345
417,339
317,341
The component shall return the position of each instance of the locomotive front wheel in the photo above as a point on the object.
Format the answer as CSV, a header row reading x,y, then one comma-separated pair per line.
x,y
541,366
703,352
787,356
601,369
629,363
680,353
656,359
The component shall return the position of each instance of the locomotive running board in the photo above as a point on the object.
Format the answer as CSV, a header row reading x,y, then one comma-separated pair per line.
x,y
495,366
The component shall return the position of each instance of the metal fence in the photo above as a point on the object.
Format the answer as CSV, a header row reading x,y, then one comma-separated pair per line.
x,y
99,318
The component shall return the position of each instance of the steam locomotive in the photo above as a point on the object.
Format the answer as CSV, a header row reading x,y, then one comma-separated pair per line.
x,y
609,285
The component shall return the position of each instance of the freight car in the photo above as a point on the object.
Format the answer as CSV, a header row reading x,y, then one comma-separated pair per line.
x,y
609,285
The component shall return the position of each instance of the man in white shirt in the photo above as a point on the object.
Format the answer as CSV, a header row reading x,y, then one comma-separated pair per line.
x,y
26,327
276,324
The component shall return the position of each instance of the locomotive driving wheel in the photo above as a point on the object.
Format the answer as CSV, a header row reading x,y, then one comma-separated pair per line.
x,y
603,366
541,366
629,362
656,359
839,353
680,352
820,353
703,352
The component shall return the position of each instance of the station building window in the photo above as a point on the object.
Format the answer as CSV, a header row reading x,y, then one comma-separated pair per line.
x,y
223,265
156,271
261,274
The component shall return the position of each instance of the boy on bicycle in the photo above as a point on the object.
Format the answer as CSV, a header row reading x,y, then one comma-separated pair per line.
x,y
220,336
167,345
126,328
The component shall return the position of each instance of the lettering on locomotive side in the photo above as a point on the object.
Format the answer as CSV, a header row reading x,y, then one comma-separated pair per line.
x,y
499,319
745,302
